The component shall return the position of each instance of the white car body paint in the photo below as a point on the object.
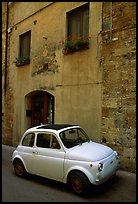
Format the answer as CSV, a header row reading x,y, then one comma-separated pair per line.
x,y
57,163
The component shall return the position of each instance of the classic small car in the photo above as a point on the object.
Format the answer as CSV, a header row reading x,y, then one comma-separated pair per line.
x,y
66,154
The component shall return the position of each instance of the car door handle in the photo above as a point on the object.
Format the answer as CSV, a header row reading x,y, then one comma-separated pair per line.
x,y
35,152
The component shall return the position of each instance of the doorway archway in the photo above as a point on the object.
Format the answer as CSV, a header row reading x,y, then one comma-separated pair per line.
x,y
41,108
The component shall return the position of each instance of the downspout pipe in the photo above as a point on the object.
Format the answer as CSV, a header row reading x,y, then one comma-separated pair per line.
x,y
102,15
6,49
111,9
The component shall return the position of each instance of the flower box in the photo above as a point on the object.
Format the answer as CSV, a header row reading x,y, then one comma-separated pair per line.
x,y
22,61
74,45
68,50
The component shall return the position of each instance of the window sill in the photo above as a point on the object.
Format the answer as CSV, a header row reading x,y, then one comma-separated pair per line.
x,y
78,48
21,63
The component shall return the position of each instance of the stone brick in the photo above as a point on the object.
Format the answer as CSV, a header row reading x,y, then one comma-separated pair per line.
x,y
129,152
119,80
128,164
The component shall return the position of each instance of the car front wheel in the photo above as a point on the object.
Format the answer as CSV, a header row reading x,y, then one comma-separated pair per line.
x,y
19,168
79,183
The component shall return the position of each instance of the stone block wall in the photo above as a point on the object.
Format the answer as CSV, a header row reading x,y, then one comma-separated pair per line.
x,y
7,92
119,80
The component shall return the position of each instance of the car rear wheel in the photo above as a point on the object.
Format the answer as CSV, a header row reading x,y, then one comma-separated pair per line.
x,y
19,168
79,183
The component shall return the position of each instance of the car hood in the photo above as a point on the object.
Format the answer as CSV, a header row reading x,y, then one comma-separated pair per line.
x,y
89,151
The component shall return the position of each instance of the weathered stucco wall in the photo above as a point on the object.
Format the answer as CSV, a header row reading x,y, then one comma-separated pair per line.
x,y
119,81
74,80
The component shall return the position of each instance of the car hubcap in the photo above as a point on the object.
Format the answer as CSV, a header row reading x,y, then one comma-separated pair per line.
x,y
76,184
18,169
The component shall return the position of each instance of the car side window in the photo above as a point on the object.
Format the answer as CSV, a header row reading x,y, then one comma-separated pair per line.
x,y
45,140
28,140
54,144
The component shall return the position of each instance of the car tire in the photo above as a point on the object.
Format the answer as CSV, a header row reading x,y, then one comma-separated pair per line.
x,y
79,183
19,168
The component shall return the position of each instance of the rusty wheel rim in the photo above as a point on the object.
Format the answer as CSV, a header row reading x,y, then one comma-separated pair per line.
x,y
76,184
19,169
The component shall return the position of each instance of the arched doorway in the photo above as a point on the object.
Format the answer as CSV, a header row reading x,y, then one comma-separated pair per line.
x,y
41,109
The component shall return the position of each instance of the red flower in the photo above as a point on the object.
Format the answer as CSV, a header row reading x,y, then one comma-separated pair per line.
x,y
62,42
85,41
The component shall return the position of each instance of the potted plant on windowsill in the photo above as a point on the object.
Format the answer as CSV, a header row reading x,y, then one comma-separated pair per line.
x,y
73,45
22,61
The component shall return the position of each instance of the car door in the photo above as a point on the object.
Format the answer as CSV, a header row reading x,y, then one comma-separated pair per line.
x,y
48,156
26,149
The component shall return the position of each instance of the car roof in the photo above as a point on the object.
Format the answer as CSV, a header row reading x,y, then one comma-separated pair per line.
x,y
55,127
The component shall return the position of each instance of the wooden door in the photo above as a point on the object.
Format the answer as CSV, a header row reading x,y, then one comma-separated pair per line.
x,y
39,109
42,106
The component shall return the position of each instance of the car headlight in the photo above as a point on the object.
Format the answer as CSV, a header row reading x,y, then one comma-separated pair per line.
x,y
116,155
100,167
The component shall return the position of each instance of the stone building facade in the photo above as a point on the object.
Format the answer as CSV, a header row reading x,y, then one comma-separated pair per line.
x,y
118,126
93,86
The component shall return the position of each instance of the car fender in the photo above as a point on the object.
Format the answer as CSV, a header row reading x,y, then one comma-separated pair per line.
x,y
86,172
20,158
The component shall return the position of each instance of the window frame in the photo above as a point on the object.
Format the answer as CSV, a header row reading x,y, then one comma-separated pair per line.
x,y
26,138
24,49
77,29
50,137
79,11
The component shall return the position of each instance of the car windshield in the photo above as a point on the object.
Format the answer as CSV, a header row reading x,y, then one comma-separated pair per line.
x,y
73,137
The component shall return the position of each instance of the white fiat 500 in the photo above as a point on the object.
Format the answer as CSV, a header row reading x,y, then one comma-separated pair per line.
x,y
65,153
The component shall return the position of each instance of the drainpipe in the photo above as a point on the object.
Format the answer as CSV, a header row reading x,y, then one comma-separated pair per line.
x,y
6,49
111,20
102,15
